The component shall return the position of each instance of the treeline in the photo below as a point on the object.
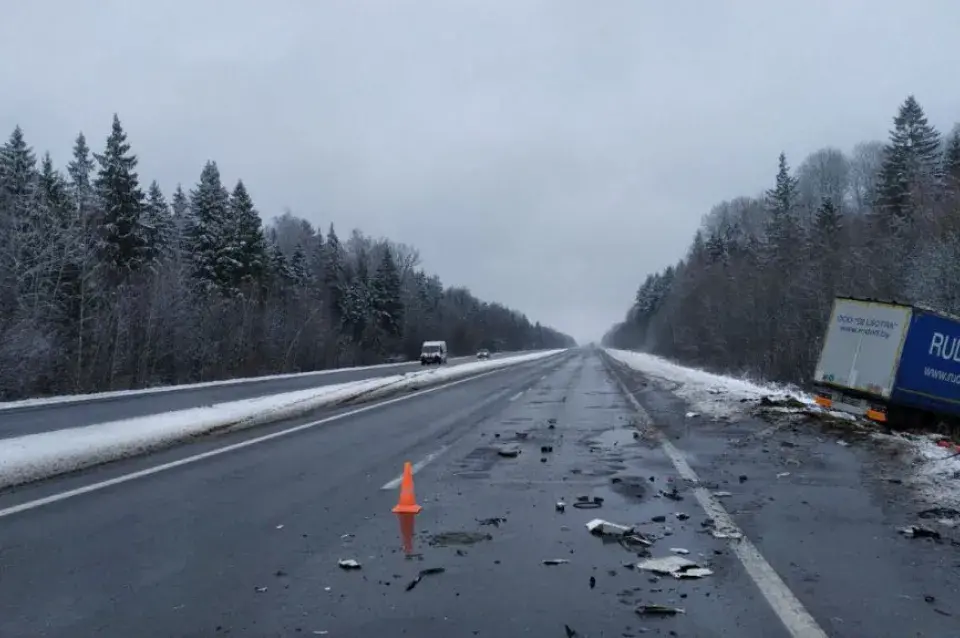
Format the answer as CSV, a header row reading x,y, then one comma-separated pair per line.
x,y
753,293
107,284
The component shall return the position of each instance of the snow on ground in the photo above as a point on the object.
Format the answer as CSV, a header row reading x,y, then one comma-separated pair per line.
x,y
934,469
76,398
706,392
36,456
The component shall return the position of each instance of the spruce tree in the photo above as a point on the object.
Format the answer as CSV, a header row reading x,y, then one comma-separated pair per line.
x,y
18,175
208,233
80,169
334,277
121,243
387,300
911,165
162,231
251,256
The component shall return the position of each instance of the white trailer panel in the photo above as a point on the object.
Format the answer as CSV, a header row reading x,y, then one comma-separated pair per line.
x,y
862,346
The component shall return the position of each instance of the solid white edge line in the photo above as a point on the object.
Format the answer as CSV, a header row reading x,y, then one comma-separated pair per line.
x,y
798,622
419,465
93,487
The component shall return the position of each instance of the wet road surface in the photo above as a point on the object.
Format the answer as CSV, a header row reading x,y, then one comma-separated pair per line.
x,y
246,543
30,419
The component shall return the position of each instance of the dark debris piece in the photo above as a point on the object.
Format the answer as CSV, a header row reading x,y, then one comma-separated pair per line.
x,y
495,521
430,571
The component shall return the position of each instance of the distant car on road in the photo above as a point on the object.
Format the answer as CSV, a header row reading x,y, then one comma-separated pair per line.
x,y
483,354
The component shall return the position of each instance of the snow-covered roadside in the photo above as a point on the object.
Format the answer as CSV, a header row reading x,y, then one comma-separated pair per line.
x,y
932,470
712,394
36,456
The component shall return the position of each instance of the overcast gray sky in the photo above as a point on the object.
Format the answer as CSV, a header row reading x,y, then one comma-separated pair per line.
x,y
545,153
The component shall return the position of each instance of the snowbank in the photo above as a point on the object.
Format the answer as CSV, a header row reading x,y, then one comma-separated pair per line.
x,y
709,393
935,470
37,456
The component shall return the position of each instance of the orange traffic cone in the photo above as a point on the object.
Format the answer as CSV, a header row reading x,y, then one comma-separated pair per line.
x,y
406,531
408,502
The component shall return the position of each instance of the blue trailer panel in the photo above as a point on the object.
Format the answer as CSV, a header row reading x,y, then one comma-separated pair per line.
x,y
928,376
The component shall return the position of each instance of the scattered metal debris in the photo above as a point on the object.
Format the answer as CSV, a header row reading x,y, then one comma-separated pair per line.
x,y
681,516
280,526
722,494
445,539
726,534
259,590
571,633
675,566
600,527
680,550
546,448
344,537
555,561
659,610
584,503
939,513
561,506
672,494
348,563
593,582
843,443
659,518
424,572
495,521
743,478
509,452
783,474
692,415
919,531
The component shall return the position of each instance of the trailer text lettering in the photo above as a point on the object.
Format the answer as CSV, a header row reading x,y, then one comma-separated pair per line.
x,y
945,347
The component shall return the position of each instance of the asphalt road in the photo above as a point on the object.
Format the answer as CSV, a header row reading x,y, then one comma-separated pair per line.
x,y
30,419
246,543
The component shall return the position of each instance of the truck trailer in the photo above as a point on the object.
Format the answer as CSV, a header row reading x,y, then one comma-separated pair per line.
x,y
889,361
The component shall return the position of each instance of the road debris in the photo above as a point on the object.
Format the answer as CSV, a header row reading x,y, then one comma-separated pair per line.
x,y
659,610
671,494
675,566
743,478
555,561
681,516
680,550
445,539
546,448
509,452
424,572
561,506
783,474
692,415
584,503
722,494
593,582
348,563
279,526
522,436
495,521
259,590
600,527
659,518
918,531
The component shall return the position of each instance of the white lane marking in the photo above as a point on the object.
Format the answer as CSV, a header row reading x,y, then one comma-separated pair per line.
x,y
93,487
419,465
517,396
798,622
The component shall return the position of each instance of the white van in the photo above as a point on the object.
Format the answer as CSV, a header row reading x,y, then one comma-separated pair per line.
x,y
433,352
